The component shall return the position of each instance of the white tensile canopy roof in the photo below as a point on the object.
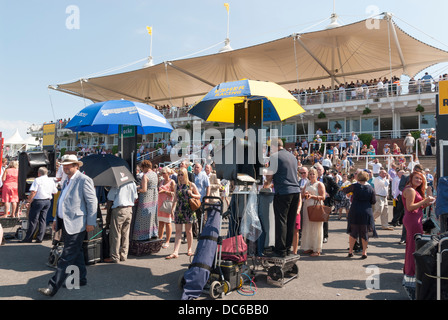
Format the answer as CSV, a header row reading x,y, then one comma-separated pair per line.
x,y
15,139
16,143
359,51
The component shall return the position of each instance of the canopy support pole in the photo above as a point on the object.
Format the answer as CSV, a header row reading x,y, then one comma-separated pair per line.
x,y
73,93
397,42
331,74
189,74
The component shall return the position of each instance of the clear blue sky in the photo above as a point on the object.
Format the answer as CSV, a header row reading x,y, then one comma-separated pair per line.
x,y
37,49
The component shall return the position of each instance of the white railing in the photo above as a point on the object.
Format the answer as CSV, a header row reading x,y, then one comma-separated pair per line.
x,y
341,147
174,112
322,96
388,157
151,155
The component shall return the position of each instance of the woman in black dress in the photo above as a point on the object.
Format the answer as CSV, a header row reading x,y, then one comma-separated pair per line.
x,y
360,216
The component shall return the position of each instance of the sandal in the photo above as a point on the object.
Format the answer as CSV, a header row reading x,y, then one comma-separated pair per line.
x,y
172,256
315,254
189,253
165,245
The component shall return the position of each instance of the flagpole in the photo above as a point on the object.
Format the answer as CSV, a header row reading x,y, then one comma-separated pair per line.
x,y
150,45
228,21
227,46
149,63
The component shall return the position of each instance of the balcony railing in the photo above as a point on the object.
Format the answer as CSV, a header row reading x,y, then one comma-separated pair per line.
x,y
364,92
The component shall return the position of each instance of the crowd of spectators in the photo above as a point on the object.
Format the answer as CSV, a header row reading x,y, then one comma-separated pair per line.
x,y
363,89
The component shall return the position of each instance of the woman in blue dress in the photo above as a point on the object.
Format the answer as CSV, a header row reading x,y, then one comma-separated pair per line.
x,y
360,217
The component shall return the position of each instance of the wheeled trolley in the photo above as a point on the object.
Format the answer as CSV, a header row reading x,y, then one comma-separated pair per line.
x,y
208,273
280,271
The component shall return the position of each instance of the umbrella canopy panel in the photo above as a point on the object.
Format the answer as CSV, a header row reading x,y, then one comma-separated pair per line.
x,y
218,105
106,117
107,170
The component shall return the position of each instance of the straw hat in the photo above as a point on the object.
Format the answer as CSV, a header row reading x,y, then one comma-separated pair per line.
x,y
71,159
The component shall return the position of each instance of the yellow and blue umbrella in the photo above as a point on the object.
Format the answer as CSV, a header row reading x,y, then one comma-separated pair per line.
x,y
218,105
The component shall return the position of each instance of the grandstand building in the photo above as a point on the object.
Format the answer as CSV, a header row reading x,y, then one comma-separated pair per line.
x,y
357,78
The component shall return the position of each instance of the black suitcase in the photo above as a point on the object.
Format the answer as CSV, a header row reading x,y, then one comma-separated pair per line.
x,y
92,250
97,232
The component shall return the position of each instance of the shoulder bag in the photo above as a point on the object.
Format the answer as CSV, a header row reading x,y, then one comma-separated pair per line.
x,y
194,203
167,206
318,212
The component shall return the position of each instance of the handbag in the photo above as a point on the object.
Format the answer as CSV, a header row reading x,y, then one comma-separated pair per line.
x,y
194,203
234,249
144,248
318,212
167,206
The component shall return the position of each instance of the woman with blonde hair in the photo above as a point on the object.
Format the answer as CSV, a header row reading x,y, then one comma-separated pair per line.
x,y
10,191
312,232
360,217
396,149
181,212
167,189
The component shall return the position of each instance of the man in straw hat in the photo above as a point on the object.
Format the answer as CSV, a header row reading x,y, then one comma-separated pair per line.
x,y
409,143
76,215
423,141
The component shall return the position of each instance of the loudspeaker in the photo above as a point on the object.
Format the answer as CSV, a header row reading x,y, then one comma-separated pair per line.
x,y
247,121
29,164
129,152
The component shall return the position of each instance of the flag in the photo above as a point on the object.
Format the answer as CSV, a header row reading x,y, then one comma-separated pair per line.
x,y
149,30
227,7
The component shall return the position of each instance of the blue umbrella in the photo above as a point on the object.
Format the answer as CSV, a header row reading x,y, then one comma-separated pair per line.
x,y
106,117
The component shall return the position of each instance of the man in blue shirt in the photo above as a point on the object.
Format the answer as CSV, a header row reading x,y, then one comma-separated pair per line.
x,y
121,199
202,182
287,196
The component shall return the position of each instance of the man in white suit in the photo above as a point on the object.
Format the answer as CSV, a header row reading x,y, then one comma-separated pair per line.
x,y
76,215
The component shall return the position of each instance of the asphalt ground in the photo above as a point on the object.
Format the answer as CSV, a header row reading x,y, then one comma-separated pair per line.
x,y
331,277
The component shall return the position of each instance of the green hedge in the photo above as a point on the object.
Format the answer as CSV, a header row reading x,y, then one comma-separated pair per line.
x,y
416,135
366,138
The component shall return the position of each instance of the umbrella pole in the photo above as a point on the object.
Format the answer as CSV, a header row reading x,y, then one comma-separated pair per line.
x,y
120,128
246,116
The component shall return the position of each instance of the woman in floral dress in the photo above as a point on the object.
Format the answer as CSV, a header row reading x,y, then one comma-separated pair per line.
x,y
342,201
182,213
146,222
